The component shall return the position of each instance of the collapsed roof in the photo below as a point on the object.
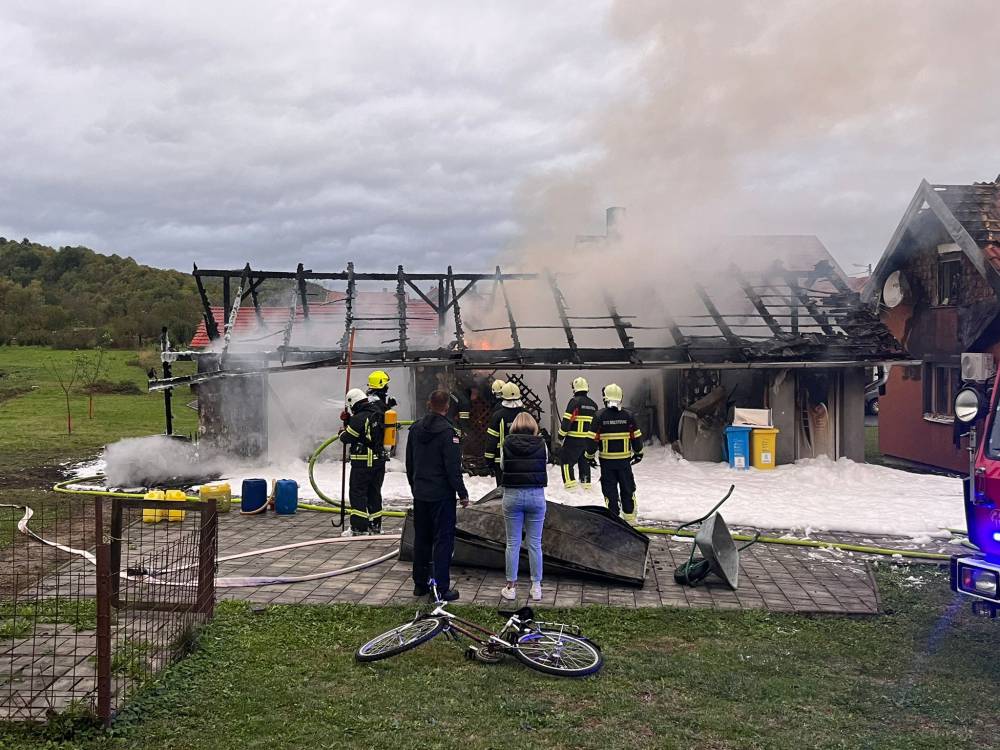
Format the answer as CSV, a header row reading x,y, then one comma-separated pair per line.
x,y
762,302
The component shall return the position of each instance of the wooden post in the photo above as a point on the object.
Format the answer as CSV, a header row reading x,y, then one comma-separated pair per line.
x,y
103,633
554,413
207,546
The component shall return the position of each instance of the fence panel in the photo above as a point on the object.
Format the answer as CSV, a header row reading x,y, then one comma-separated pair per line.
x,y
94,600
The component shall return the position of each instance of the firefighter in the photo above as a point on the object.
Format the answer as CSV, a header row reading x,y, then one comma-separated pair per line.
x,y
378,390
500,422
497,390
364,437
575,432
617,440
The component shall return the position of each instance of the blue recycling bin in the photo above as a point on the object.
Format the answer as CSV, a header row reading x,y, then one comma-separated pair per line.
x,y
738,446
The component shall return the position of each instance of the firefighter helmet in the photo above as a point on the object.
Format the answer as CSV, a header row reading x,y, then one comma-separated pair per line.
x,y
354,397
510,392
378,380
613,395
497,387
580,384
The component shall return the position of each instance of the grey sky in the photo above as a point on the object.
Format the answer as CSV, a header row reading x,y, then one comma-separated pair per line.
x,y
418,133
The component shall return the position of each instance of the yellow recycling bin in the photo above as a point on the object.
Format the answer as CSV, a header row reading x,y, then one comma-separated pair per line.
x,y
153,515
763,446
222,494
177,496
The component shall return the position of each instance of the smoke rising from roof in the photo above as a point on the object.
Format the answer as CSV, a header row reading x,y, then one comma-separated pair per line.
x,y
791,117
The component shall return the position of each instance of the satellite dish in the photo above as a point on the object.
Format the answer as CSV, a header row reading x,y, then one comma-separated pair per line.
x,y
895,290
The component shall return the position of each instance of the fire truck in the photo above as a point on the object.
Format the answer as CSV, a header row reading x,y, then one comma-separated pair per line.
x,y
977,575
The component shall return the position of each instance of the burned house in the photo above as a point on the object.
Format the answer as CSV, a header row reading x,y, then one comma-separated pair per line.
x,y
937,288
774,325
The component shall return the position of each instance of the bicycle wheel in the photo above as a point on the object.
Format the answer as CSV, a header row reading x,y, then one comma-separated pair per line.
x,y
558,653
400,639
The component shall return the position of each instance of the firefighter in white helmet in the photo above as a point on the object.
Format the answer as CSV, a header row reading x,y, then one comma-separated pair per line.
x,y
617,440
364,436
575,432
499,427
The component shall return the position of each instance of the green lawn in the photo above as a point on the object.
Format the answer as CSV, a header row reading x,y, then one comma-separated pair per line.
x,y
33,437
33,408
923,676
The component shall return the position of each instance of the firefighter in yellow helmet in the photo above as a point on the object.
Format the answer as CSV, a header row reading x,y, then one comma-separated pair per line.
x,y
499,427
575,432
617,440
378,390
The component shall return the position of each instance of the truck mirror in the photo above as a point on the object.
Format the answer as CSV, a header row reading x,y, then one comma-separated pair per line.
x,y
967,405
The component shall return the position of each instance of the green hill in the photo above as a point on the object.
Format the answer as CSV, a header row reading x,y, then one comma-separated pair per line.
x,y
74,297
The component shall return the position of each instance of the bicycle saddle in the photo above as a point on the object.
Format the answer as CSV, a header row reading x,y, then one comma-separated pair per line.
x,y
524,613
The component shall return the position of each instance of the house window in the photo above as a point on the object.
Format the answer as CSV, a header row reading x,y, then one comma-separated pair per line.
x,y
949,280
940,385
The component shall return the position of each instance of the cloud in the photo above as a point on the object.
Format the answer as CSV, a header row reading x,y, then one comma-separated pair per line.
x,y
427,133
313,131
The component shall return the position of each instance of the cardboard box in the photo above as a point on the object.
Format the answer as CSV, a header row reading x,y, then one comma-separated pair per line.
x,y
752,417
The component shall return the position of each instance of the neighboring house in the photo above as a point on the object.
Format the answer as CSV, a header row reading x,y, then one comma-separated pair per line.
x,y
938,288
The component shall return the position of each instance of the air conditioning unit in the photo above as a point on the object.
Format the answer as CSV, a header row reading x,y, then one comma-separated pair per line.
x,y
977,367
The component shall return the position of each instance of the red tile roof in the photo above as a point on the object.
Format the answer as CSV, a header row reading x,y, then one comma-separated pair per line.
x,y
371,310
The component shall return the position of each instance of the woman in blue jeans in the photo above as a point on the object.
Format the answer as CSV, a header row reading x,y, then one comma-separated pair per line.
x,y
524,461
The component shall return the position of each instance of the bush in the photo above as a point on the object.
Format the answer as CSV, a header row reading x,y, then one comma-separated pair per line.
x,y
121,388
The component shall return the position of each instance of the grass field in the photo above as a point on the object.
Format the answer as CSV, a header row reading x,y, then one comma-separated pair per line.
x,y
922,676
33,408
33,435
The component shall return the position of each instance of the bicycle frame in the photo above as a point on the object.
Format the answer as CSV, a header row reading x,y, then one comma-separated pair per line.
x,y
466,627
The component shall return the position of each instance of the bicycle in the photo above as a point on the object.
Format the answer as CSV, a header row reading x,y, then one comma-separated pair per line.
x,y
554,648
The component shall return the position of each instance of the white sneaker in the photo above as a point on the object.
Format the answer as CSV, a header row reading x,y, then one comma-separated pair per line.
x,y
509,592
347,532
536,592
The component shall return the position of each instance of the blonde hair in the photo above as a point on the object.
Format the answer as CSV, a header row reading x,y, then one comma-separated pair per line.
x,y
524,423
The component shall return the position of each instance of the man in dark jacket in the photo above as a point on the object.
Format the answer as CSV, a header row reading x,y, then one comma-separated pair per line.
x,y
434,470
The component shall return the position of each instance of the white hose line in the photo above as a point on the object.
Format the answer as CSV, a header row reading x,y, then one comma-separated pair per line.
x,y
226,582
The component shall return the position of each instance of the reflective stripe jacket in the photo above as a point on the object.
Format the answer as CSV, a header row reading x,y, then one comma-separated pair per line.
x,y
578,418
499,428
616,437
364,434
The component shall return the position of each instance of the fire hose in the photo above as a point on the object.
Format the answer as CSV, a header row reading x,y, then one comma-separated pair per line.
x,y
221,582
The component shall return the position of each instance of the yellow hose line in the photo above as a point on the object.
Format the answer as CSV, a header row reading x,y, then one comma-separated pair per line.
x,y
808,543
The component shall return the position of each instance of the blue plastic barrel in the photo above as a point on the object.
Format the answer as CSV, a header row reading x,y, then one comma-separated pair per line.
x,y
253,496
286,496
738,446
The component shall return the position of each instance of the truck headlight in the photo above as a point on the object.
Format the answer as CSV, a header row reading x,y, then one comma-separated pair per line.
x,y
980,582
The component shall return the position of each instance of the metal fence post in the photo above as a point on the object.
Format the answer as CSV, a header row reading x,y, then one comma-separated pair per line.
x,y
103,555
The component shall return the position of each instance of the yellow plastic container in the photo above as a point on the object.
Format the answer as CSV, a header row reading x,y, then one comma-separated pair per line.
x,y
152,515
177,496
389,437
222,494
763,446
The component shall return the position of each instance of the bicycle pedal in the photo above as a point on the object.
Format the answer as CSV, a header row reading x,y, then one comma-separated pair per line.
x,y
470,653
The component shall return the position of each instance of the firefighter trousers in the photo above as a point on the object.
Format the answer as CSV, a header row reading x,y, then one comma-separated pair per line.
x,y
572,457
618,486
365,492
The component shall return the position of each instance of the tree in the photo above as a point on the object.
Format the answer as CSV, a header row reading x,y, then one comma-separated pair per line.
x,y
91,371
66,377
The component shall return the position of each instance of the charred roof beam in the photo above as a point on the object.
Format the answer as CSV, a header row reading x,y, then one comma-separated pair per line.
x,y
560,301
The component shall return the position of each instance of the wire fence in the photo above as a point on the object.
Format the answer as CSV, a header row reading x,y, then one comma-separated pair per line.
x,y
96,596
